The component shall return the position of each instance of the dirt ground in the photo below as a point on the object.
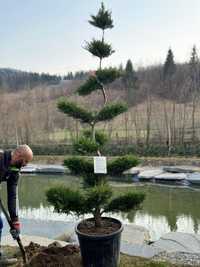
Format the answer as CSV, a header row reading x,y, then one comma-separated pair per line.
x,y
52,256
69,256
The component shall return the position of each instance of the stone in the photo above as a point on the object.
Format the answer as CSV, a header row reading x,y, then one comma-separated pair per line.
x,y
176,241
55,244
193,178
171,176
134,242
132,171
44,168
139,250
30,168
149,174
70,237
181,169
134,234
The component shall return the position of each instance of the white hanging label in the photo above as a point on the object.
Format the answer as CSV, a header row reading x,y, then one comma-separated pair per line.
x,y
100,165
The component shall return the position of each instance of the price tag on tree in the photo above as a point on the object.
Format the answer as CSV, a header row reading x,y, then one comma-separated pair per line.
x,y
100,165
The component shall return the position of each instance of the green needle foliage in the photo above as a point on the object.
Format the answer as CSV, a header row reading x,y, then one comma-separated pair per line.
x,y
95,197
99,49
103,19
66,200
89,86
98,196
85,145
104,76
108,75
111,111
72,110
125,202
79,165
119,165
100,137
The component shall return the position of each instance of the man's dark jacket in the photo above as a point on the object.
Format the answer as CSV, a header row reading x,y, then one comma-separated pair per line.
x,y
10,175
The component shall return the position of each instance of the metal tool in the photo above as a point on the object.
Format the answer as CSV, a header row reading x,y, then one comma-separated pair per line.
x,y
18,239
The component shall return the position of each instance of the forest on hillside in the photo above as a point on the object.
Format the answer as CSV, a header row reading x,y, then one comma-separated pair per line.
x,y
16,80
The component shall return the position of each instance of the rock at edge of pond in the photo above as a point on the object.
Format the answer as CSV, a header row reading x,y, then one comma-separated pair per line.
x,y
135,234
176,241
181,169
149,174
171,176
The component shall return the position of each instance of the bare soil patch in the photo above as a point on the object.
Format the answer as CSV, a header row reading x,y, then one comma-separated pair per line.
x,y
53,256
108,227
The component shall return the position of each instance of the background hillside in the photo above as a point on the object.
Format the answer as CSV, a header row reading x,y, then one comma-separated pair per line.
x,y
15,80
164,106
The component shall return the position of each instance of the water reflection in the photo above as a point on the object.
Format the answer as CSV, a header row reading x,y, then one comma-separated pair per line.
x,y
164,209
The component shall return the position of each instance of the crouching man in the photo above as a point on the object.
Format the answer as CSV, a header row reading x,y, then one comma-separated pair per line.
x,y
10,165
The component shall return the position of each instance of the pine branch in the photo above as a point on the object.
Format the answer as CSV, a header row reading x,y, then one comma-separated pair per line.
x,y
99,49
67,200
106,76
121,164
79,165
103,19
98,196
72,110
89,86
126,202
110,111
85,145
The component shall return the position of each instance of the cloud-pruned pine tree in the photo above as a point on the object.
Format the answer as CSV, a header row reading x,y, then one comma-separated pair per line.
x,y
96,196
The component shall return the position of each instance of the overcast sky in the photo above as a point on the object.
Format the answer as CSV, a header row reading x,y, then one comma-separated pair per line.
x,y
48,35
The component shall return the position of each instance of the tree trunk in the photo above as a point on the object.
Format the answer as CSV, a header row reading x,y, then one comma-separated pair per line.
x,y
93,131
193,119
183,125
97,218
135,122
168,141
126,126
148,123
173,124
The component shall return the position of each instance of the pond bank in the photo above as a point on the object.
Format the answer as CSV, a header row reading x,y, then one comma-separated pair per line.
x,y
37,244
176,248
125,260
145,161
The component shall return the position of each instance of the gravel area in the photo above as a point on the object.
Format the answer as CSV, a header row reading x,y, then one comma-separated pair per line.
x,y
184,258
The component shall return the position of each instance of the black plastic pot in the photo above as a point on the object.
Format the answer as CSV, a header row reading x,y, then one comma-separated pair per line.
x,y
100,250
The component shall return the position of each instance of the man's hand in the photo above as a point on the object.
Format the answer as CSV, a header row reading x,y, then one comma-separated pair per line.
x,y
15,231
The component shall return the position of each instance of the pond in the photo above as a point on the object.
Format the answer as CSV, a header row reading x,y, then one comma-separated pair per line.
x,y
166,207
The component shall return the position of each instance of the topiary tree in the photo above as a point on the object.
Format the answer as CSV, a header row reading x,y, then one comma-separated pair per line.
x,y
97,197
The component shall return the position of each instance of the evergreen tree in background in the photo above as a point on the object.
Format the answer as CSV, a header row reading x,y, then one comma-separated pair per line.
x,y
169,66
169,90
130,81
194,71
168,76
97,197
194,88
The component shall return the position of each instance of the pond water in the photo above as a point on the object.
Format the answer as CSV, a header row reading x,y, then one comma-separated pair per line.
x,y
166,207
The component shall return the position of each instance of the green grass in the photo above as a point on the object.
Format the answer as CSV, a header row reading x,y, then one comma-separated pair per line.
x,y
128,261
